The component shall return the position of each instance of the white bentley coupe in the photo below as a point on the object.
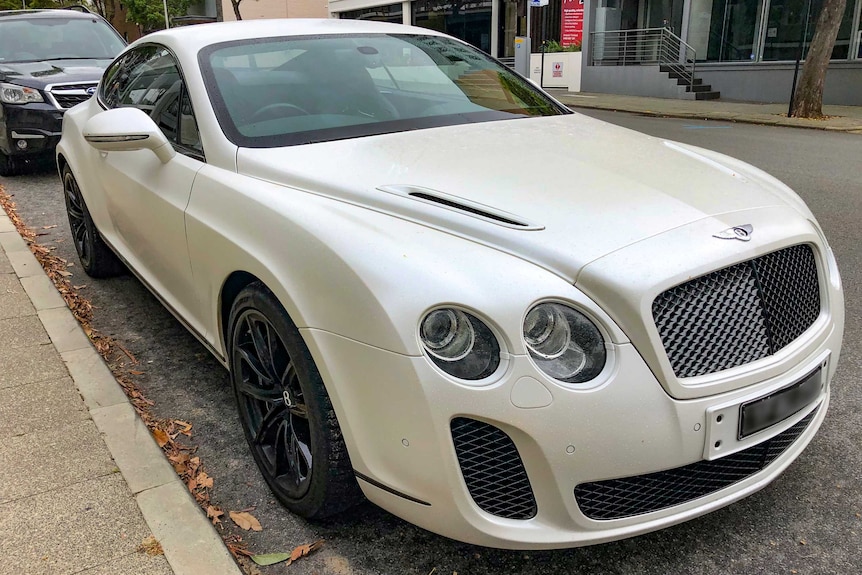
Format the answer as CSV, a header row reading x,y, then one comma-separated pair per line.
x,y
437,287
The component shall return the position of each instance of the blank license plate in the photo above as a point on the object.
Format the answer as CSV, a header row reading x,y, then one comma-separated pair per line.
x,y
759,414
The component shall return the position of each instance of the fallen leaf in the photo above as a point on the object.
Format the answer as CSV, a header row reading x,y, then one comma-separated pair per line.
x,y
193,484
136,372
150,546
304,550
270,558
204,480
49,227
161,437
64,273
246,521
215,514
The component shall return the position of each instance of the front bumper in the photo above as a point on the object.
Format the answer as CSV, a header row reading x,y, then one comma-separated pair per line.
x,y
396,412
39,125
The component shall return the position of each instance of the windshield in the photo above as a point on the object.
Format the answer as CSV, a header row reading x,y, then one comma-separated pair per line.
x,y
38,39
281,92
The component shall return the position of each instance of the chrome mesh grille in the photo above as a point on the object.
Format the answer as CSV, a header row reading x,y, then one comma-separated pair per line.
x,y
66,96
619,498
492,469
738,314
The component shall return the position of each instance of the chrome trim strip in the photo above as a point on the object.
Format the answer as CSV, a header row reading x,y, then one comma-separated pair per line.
x,y
27,136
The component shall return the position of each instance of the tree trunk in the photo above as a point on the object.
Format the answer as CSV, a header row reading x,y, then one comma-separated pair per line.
x,y
235,4
808,99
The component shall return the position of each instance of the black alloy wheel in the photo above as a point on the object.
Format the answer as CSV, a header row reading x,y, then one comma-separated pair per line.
x,y
285,412
96,257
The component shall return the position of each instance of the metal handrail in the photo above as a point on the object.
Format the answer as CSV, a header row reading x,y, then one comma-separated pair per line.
x,y
644,46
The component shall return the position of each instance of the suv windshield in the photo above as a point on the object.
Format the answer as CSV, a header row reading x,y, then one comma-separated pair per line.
x,y
288,91
38,39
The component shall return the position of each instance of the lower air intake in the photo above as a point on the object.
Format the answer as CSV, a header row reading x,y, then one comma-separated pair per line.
x,y
492,469
619,498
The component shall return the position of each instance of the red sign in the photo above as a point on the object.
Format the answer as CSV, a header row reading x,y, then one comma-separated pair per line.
x,y
572,27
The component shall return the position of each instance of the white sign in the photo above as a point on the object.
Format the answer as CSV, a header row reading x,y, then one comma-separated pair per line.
x,y
538,3
558,70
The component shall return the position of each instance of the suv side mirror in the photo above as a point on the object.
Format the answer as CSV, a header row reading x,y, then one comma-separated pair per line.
x,y
127,129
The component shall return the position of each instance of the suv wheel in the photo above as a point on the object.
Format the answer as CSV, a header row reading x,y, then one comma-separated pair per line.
x,y
8,165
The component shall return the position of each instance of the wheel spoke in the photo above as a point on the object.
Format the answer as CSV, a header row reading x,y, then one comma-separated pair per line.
x,y
254,363
259,393
270,425
283,460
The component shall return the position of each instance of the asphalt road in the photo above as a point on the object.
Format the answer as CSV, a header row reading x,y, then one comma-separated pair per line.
x,y
808,521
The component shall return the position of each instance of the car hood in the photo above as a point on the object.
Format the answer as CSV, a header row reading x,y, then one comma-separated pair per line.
x,y
40,74
581,188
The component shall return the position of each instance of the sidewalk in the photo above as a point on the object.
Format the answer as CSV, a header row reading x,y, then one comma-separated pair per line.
x,y
841,118
82,482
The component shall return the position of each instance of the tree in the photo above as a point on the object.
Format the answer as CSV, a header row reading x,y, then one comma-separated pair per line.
x,y
235,4
104,8
808,98
18,4
150,14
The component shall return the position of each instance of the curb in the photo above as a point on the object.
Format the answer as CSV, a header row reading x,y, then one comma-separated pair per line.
x,y
190,542
719,118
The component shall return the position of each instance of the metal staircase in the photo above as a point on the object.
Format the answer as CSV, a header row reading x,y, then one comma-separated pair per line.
x,y
652,46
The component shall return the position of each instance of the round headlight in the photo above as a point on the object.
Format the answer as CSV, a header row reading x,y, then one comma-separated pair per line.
x,y
564,343
459,343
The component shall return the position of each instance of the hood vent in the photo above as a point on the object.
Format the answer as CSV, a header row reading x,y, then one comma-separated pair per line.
x,y
455,203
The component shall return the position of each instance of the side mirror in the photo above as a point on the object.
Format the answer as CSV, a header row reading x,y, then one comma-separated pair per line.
x,y
127,129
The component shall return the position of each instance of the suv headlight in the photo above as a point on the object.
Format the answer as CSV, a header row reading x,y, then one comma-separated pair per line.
x,y
563,343
459,343
13,94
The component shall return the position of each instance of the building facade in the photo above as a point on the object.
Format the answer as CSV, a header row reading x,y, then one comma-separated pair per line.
x,y
490,25
254,9
746,49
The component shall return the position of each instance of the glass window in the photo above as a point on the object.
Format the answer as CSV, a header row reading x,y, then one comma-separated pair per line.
x,y
391,13
469,20
791,21
148,78
40,39
337,87
733,26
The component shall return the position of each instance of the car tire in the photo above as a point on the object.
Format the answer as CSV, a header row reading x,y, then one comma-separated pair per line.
x,y
96,257
285,412
8,165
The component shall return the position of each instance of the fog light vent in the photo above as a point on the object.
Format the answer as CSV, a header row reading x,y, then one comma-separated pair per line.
x,y
492,469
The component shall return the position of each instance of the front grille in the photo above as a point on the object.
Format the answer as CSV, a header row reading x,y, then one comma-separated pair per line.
x,y
619,498
738,314
492,469
67,95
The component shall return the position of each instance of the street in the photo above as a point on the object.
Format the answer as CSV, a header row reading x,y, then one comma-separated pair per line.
x,y
807,521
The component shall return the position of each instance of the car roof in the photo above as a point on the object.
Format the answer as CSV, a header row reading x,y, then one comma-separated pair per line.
x,y
30,14
195,37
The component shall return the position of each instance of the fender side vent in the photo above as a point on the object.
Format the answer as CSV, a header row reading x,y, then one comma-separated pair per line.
x,y
461,205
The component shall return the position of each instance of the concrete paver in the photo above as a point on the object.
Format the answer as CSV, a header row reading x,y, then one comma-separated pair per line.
x,y
73,452
40,406
22,331
46,460
71,529
839,118
25,365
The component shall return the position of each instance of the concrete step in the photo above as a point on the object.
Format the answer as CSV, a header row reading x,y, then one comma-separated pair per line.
x,y
699,88
701,95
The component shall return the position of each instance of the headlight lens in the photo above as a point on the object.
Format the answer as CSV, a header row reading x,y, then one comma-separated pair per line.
x,y
564,343
459,343
12,94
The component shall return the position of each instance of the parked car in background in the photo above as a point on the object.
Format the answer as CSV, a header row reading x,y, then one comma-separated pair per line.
x,y
50,60
435,285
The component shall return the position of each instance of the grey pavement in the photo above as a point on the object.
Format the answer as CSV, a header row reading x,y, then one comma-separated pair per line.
x,y
82,483
839,118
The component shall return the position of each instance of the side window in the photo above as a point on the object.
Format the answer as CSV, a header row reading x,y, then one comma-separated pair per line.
x,y
148,79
